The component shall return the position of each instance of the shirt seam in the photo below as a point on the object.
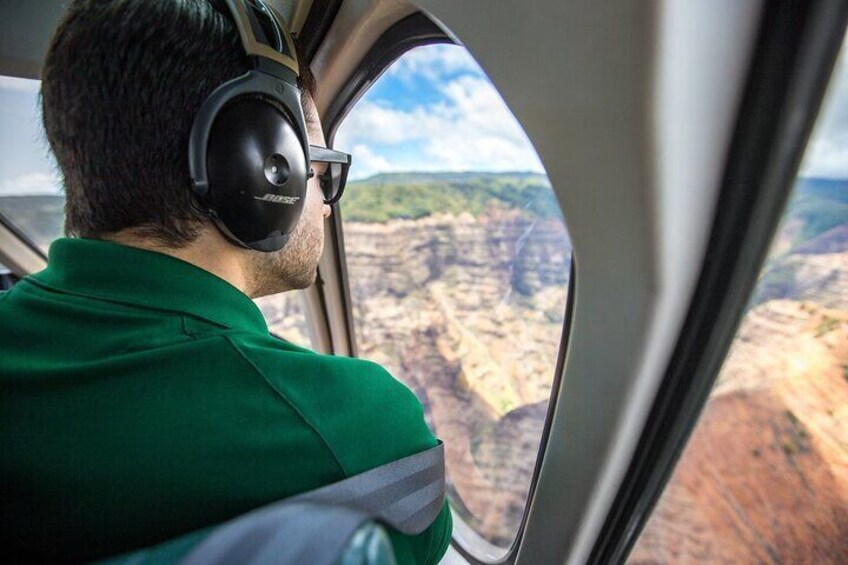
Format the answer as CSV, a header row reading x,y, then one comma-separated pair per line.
x,y
128,303
297,411
184,325
54,295
432,550
429,556
431,541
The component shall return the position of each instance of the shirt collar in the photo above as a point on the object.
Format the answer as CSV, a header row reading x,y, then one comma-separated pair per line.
x,y
118,273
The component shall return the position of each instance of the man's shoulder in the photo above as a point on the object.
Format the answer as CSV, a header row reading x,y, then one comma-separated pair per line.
x,y
365,415
279,359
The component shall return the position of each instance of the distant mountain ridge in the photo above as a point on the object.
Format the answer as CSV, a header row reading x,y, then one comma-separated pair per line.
x,y
394,196
818,205
834,240
448,176
815,221
809,258
40,216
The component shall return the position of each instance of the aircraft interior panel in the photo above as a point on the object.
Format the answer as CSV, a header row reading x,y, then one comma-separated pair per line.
x,y
665,141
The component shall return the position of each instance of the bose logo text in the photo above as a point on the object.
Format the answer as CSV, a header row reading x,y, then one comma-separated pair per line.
x,y
278,198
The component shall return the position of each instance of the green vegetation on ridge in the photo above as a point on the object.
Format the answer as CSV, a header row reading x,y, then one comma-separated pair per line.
x,y
416,195
816,207
819,205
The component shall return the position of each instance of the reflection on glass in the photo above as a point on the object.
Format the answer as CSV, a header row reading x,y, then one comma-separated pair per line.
x,y
286,317
41,217
30,193
458,279
764,478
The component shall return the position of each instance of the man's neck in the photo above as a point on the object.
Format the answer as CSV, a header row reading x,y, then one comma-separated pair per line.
x,y
210,251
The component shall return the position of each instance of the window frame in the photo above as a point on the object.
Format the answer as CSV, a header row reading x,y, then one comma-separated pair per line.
x,y
18,251
417,30
410,32
21,255
322,14
779,108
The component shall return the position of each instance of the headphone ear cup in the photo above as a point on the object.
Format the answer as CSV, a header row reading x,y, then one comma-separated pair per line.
x,y
257,169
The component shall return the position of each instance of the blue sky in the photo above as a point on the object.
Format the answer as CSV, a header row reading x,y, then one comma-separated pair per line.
x,y
433,110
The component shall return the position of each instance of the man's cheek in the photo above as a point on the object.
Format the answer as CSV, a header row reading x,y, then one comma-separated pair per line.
x,y
315,191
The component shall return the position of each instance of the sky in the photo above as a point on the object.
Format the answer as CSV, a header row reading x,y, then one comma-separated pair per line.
x,y
827,153
433,110
25,164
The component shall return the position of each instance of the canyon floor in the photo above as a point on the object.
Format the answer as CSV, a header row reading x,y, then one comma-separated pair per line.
x,y
468,311
458,284
764,478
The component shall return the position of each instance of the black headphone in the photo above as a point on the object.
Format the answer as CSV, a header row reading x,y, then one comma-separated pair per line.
x,y
248,153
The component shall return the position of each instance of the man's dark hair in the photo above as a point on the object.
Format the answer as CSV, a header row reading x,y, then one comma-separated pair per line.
x,y
121,84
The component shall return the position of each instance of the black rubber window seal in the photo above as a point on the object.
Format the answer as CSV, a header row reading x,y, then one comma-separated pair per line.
x,y
318,22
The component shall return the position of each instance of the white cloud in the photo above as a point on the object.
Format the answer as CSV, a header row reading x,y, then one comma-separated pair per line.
x,y
469,129
379,123
31,183
434,63
367,163
827,158
19,84
827,153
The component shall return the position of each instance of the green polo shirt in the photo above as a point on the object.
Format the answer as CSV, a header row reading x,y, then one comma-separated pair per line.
x,y
144,398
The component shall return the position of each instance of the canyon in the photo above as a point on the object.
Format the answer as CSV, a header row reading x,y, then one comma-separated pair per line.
x,y
764,478
466,305
466,310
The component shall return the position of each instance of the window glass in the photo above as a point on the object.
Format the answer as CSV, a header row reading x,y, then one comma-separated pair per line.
x,y
7,278
30,193
31,196
285,314
764,478
458,262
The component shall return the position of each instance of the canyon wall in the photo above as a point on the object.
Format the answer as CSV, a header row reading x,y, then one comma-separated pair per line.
x,y
764,478
467,307
468,311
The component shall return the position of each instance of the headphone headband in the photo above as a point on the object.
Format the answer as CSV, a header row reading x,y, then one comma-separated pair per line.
x,y
248,150
245,14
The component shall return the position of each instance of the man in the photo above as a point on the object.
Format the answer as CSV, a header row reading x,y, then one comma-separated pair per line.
x,y
143,397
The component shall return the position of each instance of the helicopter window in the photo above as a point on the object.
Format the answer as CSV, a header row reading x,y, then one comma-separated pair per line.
x,y
285,315
31,196
7,278
763,477
458,264
30,193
